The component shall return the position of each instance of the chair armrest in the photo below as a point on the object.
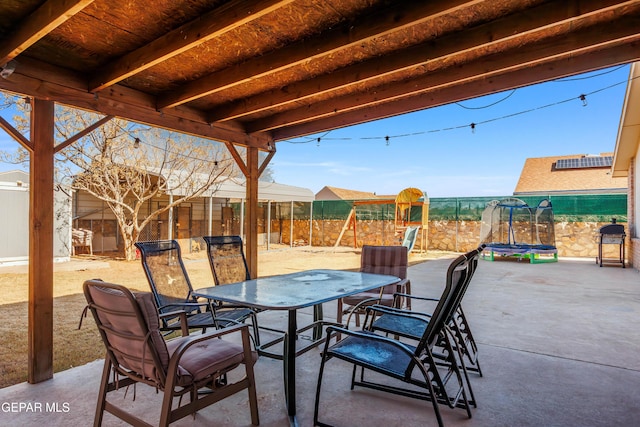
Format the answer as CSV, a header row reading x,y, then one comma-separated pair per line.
x,y
397,296
356,307
386,309
402,283
415,297
390,311
184,328
366,335
185,304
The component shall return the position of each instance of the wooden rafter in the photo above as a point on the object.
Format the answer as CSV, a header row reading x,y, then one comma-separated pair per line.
x,y
491,83
519,25
40,80
406,14
579,43
47,17
188,36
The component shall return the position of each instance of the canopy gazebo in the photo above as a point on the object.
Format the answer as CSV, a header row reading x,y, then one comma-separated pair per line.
x,y
251,74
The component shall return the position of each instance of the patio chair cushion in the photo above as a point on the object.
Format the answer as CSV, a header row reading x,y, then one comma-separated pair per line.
x,y
128,348
148,307
199,361
205,359
384,260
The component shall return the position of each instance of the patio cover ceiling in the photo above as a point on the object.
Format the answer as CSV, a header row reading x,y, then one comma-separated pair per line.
x,y
256,72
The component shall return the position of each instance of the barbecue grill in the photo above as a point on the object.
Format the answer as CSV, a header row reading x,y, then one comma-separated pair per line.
x,y
611,234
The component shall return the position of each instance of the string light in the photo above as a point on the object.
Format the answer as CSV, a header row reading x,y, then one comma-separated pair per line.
x,y
473,126
387,139
583,98
137,141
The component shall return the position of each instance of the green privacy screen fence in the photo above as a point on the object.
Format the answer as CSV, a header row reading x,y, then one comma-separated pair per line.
x,y
570,208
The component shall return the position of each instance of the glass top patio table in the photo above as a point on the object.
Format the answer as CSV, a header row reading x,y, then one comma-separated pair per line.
x,y
296,290
291,292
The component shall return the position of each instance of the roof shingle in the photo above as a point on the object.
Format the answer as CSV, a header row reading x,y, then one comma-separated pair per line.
x,y
539,175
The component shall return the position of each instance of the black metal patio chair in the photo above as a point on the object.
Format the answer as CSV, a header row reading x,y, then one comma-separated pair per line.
x,y
229,265
226,259
172,291
414,365
413,327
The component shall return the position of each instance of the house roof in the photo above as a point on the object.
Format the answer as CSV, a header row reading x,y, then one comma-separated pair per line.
x,y
15,175
545,175
271,191
182,182
335,193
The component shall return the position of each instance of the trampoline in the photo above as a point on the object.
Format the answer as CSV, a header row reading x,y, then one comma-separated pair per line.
x,y
511,228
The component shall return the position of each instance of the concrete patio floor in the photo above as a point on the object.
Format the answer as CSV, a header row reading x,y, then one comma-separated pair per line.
x,y
559,345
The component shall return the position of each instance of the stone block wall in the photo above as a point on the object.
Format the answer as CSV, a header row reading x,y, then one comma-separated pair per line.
x,y
573,239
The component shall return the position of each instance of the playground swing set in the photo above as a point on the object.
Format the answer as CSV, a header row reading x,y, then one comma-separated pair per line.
x,y
411,217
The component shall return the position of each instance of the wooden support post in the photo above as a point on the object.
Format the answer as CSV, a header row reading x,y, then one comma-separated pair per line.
x,y
251,218
40,329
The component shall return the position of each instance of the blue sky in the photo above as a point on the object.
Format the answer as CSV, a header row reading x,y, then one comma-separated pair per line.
x,y
459,162
436,150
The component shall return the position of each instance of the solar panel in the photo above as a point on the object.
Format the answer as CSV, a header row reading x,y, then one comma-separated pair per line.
x,y
585,162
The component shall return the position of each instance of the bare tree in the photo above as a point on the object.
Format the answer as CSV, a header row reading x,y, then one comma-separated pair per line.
x,y
126,165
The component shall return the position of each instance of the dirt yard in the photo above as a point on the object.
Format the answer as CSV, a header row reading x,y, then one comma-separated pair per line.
x,y
75,347
69,276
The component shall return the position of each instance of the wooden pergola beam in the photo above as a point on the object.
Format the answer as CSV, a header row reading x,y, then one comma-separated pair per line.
x,y
492,83
239,160
15,134
266,161
208,26
516,26
36,79
378,25
82,133
580,43
46,18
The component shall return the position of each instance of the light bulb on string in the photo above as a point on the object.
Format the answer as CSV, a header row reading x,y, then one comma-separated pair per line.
x,y
387,139
473,127
583,98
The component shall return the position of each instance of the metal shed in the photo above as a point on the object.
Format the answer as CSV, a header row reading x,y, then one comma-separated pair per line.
x,y
14,230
